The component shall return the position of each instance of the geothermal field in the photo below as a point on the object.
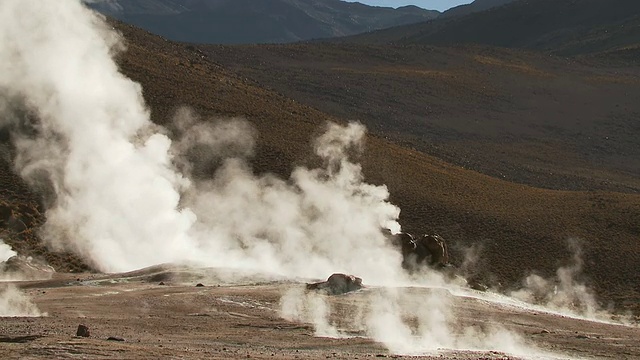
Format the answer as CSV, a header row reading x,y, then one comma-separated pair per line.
x,y
160,312
184,265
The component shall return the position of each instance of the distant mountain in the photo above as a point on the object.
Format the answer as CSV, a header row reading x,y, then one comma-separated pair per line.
x,y
476,6
561,26
256,21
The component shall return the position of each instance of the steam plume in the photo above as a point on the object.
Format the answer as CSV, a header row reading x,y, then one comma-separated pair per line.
x,y
565,293
15,303
5,251
127,197
408,321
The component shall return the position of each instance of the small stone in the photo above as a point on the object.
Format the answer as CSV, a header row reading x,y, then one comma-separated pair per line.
x,y
545,331
161,283
83,331
114,338
199,285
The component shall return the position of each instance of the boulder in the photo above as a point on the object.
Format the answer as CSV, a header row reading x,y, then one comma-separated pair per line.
x,y
433,250
83,331
404,242
337,284
26,267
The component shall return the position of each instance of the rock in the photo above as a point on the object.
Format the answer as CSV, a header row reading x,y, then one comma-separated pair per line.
x,y
199,285
161,283
337,284
545,331
83,331
26,267
114,338
475,284
432,249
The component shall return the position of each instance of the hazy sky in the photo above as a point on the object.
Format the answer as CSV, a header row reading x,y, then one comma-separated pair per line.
x,y
427,4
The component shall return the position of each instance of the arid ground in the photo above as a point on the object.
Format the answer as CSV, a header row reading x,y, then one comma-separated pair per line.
x,y
160,313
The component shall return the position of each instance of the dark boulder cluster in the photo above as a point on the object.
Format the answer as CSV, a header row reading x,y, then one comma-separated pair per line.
x,y
427,249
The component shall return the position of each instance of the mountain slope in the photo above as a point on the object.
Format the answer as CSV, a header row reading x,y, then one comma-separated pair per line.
x,y
530,118
562,26
256,21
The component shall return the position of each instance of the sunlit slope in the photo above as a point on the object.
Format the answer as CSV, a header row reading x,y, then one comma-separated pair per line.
x,y
518,228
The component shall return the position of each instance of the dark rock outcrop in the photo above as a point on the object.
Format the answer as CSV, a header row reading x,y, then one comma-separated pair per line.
x,y
432,249
427,249
83,331
405,242
26,267
337,284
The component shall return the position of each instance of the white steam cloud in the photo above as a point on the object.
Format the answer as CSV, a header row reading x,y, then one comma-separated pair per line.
x,y
309,307
127,197
5,251
565,293
15,303
408,321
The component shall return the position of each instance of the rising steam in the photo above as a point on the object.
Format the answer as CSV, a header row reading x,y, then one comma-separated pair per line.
x,y
126,196
15,303
564,293
5,251
408,321
12,301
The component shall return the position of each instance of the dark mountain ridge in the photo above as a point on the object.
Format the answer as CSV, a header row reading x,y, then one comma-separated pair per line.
x,y
566,27
256,21
476,6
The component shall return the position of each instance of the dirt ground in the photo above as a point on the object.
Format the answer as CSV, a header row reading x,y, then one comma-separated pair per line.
x,y
160,313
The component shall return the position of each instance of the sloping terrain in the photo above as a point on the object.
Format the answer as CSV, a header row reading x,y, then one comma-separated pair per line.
x,y
516,228
256,21
540,120
560,26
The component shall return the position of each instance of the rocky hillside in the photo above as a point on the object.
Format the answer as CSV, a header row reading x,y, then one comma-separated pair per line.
x,y
256,21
